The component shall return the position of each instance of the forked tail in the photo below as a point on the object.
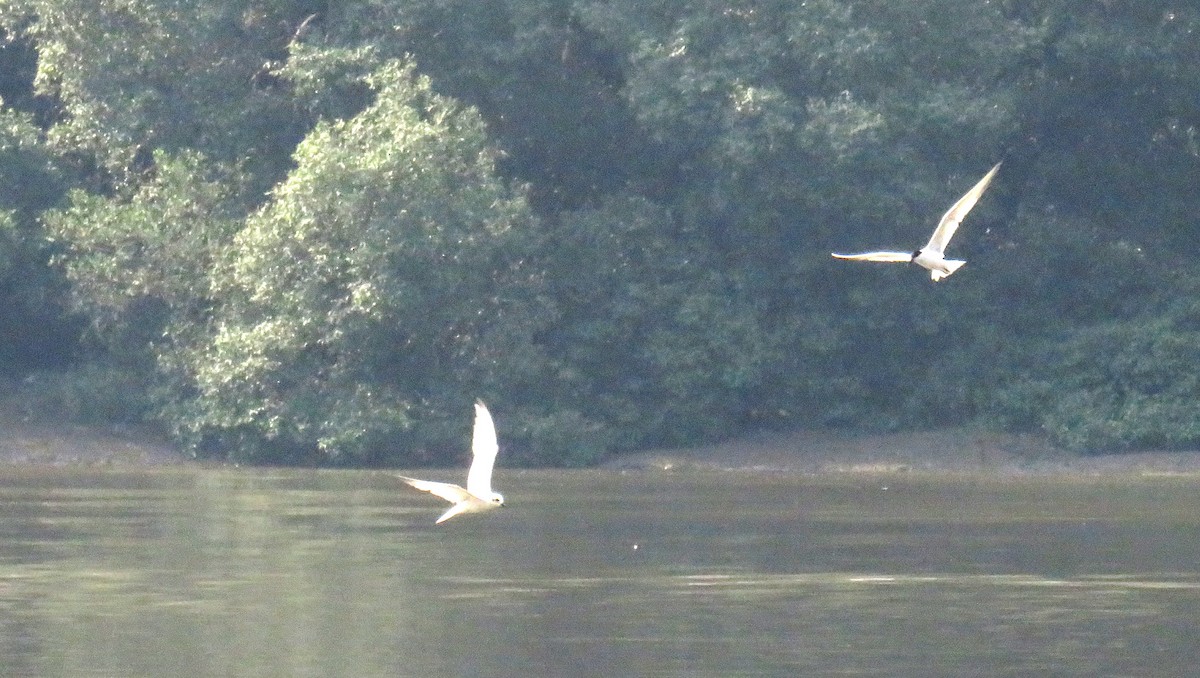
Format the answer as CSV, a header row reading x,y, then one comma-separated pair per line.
x,y
948,266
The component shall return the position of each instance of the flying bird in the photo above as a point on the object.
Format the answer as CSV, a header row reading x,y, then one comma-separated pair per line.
x,y
478,496
932,255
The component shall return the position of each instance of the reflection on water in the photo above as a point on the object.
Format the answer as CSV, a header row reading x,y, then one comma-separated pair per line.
x,y
229,572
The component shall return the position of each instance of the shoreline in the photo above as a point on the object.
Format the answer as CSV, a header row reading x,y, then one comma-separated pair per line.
x,y
40,443
957,450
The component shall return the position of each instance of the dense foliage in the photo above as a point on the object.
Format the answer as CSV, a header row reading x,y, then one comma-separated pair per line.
x,y
311,232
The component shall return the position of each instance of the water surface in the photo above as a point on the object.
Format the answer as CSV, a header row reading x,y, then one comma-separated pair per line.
x,y
251,572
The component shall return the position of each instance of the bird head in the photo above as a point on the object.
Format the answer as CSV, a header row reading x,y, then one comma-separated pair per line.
x,y
496,499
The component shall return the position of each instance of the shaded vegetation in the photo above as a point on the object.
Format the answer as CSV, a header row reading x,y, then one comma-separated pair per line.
x,y
311,232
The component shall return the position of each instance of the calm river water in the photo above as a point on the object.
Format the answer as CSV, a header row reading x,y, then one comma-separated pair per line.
x,y
249,572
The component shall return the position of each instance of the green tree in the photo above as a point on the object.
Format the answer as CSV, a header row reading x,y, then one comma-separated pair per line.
x,y
1100,325
379,290
621,234
652,340
1140,395
134,77
549,88
36,332
140,268
803,128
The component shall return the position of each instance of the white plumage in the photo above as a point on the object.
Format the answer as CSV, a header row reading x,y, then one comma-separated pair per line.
x,y
933,255
478,495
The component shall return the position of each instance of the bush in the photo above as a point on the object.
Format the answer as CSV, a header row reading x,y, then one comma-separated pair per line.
x,y
381,287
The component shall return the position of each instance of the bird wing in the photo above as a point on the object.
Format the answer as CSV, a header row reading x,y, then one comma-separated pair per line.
x,y
954,216
484,449
896,257
448,491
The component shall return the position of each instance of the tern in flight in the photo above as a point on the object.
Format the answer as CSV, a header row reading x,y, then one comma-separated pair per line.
x,y
932,255
478,496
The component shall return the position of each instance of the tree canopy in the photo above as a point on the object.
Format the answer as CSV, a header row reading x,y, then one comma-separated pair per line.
x,y
310,232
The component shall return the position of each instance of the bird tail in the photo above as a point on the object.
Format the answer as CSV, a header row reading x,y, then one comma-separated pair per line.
x,y
951,265
460,507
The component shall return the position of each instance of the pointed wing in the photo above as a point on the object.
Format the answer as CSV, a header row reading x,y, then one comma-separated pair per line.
x,y
484,449
891,257
451,493
954,216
